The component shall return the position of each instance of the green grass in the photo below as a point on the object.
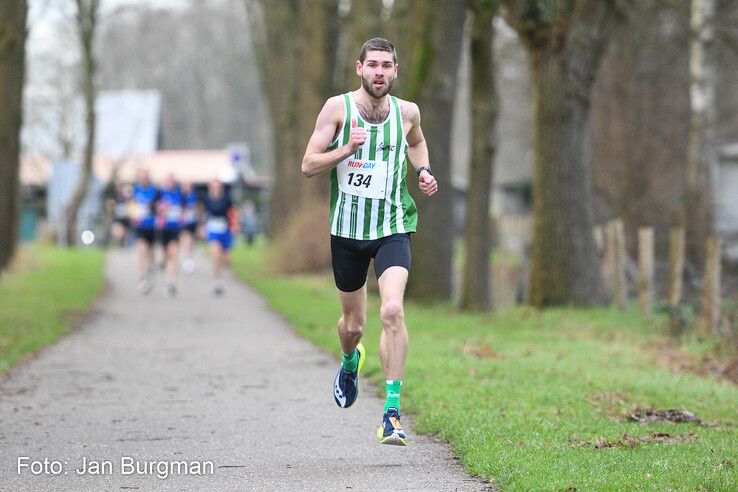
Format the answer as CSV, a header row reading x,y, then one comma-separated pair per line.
x,y
43,296
516,393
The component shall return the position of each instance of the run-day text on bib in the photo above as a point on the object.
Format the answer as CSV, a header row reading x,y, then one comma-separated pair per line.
x,y
363,178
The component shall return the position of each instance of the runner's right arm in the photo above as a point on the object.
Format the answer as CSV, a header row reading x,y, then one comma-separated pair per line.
x,y
316,160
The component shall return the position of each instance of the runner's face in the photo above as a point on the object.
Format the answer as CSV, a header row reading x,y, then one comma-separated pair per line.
x,y
377,73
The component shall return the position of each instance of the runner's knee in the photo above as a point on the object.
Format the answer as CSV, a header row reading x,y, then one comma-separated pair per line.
x,y
391,314
353,324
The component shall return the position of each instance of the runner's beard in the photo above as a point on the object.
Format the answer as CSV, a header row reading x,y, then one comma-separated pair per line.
x,y
375,92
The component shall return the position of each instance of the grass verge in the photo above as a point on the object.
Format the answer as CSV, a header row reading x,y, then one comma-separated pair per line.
x,y
42,297
537,400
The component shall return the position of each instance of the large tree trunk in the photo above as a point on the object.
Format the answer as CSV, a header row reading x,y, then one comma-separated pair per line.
x,y
275,47
86,26
475,285
564,263
12,71
316,54
699,204
433,77
566,44
297,53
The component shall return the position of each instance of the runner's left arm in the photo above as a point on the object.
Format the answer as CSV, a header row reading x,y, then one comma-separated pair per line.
x,y
417,152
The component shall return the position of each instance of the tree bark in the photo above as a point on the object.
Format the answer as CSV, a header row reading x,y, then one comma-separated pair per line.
x,y
86,26
297,52
316,54
275,48
565,44
476,275
432,77
699,205
12,73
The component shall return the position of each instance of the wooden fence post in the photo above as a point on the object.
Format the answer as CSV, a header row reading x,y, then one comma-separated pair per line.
x,y
646,266
621,288
676,265
710,315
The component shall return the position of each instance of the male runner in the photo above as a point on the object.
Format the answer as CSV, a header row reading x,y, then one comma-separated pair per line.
x,y
363,138
143,220
169,221
220,222
189,226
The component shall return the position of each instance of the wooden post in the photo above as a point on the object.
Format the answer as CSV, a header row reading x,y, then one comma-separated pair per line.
x,y
621,288
646,265
608,257
676,265
599,236
710,315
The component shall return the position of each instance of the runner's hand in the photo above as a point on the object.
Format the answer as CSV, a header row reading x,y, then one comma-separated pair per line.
x,y
427,183
358,136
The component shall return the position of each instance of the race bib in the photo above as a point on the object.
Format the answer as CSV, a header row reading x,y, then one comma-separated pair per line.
x,y
141,211
217,225
362,178
190,215
174,213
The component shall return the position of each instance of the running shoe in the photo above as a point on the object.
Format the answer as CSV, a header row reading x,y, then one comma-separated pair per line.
x,y
391,431
172,289
218,290
188,266
145,286
346,384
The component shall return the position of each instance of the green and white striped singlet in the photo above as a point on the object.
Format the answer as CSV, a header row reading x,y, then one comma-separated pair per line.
x,y
361,217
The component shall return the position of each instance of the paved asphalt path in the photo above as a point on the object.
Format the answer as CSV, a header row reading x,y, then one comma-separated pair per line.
x,y
198,379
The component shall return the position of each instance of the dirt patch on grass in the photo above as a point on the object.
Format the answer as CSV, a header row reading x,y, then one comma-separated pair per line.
x,y
650,415
668,354
631,441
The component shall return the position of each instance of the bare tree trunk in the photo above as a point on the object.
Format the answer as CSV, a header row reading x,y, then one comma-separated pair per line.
x,y
297,50
433,75
564,258
316,54
565,44
476,275
699,213
275,47
12,73
86,26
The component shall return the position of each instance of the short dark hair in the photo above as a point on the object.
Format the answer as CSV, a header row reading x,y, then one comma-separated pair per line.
x,y
377,44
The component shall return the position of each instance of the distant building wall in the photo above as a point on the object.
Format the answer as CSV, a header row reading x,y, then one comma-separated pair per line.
x,y
64,177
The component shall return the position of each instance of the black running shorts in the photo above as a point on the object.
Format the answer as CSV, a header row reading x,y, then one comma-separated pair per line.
x,y
146,235
167,236
350,258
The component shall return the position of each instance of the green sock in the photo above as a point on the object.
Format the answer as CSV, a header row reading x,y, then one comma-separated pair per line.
x,y
393,394
350,362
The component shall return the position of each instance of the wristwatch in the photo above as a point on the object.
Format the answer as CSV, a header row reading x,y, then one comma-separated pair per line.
x,y
424,168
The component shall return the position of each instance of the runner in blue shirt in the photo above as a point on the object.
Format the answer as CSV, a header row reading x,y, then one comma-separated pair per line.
x,y
190,220
220,224
142,219
169,207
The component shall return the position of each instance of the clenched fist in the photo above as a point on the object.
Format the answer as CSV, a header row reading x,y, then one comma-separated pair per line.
x,y
358,136
427,183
